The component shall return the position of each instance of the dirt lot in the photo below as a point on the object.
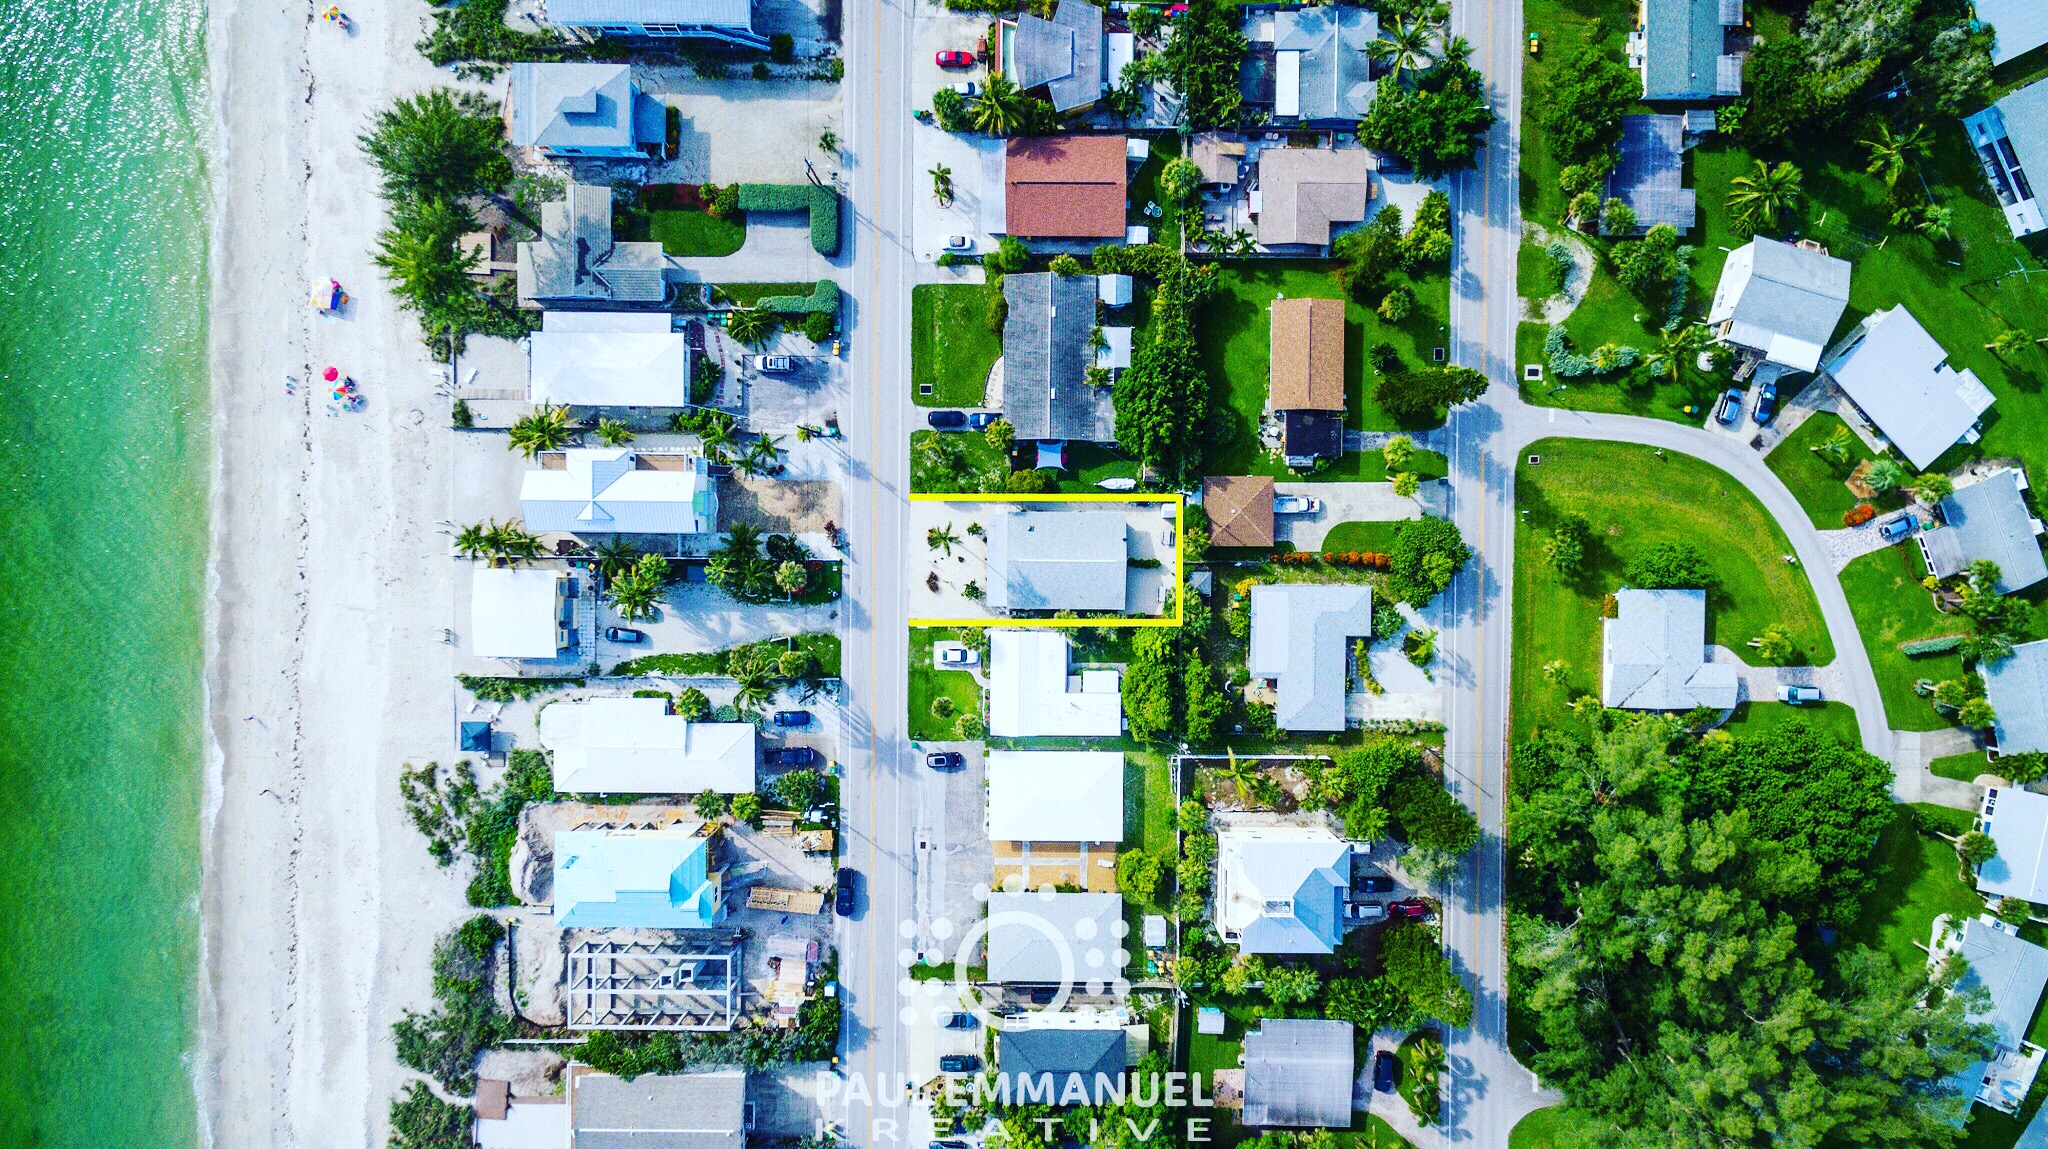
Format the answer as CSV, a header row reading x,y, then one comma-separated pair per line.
x,y
779,506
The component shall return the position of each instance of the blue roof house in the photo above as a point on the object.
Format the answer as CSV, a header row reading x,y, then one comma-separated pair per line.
x,y
635,879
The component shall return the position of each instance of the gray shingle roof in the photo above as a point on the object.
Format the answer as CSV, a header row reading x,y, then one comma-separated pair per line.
x,y
573,106
1301,636
1070,938
1063,54
1683,46
1781,300
1058,560
1088,1052
1988,519
1649,175
1298,1073
2017,689
2015,972
654,1111
1653,654
1046,358
575,262
1334,83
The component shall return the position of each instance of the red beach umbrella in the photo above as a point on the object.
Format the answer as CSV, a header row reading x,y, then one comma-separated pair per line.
x,y
331,374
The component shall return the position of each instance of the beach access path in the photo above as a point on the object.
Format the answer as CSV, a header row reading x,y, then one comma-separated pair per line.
x,y
331,589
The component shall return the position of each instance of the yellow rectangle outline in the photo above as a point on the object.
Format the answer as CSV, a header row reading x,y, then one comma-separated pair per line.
x,y
1180,513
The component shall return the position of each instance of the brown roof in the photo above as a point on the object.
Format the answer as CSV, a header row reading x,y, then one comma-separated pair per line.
x,y
1065,187
1240,510
1218,158
1305,190
1308,355
492,1097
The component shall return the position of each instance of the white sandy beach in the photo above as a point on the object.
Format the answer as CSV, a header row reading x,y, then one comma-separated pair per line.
x,y
331,588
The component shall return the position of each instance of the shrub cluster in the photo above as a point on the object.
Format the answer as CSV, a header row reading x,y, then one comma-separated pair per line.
x,y
1941,645
1858,515
823,300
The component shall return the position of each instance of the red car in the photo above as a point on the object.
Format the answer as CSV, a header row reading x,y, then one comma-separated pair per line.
x,y
1414,909
956,59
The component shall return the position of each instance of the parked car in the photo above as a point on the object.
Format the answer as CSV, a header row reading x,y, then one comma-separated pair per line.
x,y
1729,408
958,656
967,88
1374,884
792,718
843,898
959,1063
947,420
1413,909
819,816
1296,505
961,1020
1383,1071
623,634
945,760
980,420
790,756
959,243
1766,404
1368,912
1892,530
949,1144
1798,695
774,364
955,58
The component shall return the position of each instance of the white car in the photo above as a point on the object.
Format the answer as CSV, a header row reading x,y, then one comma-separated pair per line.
x,y
959,243
957,656
967,88
774,364
1296,505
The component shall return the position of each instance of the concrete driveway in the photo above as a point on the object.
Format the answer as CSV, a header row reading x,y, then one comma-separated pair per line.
x,y
696,617
1342,503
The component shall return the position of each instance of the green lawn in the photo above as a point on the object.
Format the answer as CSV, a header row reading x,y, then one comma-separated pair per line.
x,y
951,346
690,231
1144,188
1815,482
976,458
1916,881
747,294
1148,802
1236,340
1360,537
927,684
1756,717
1535,274
1890,607
1633,499
1962,767
1090,463
1549,1128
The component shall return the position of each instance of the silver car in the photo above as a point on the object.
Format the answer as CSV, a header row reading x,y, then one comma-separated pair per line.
x,y
774,364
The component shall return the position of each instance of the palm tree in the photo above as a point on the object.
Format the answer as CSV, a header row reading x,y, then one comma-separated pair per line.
x,y
750,325
805,432
766,449
1886,474
1675,348
1891,151
716,434
510,541
1762,197
742,540
1403,47
1937,221
2008,341
941,538
1240,773
1456,50
1835,450
1000,109
613,433
638,588
942,184
754,691
614,557
546,429
790,578
1933,487
473,540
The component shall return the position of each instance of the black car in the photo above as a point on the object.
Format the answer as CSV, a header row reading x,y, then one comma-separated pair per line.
x,y
790,756
945,760
1383,1071
623,634
1374,884
947,420
792,718
1766,404
849,889
959,1063
1043,995
949,1145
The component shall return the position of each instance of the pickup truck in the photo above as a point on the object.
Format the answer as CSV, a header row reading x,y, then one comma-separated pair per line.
x,y
1729,409
1296,505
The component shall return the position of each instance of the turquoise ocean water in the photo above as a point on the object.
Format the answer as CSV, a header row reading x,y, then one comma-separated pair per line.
x,y
104,462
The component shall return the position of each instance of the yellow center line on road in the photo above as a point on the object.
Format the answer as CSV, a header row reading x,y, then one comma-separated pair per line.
x,y
874,341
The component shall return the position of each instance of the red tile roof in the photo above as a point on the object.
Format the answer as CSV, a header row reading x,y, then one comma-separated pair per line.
x,y
1065,187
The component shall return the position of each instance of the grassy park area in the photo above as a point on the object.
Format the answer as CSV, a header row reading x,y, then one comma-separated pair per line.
x,y
1633,499
951,344
929,684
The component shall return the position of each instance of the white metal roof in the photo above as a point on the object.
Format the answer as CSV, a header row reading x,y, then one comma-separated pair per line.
x,y
512,612
1028,695
2017,820
528,1124
605,491
1899,376
1055,796
609,359
634,746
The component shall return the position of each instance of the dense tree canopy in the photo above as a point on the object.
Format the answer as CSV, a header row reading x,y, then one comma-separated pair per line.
x,y
1436,123
1427,553
1427,392
1581,105
1202,61
1162,401
438,145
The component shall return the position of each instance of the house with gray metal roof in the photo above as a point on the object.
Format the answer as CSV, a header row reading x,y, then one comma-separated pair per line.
x,y
615,491
576,265
1902,381
1780,301
1298,1073
1062,55
2011,138
657,1110
1648,175
1653,654
2012,973
1684,49
1064,939
2017,820
1062,1052
2017,689
729,20
584,111
1987,519
1058,560
1281,889
1301,642
1046,356
2019,26
1321,74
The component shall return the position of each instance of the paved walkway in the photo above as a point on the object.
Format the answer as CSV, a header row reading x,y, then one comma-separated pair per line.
x,y
1847,544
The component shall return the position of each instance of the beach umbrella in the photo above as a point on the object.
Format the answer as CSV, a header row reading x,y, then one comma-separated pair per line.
x,y
331,374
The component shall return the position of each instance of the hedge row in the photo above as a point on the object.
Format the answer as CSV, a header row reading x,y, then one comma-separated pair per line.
x,y
1942,645
823,300
821,202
